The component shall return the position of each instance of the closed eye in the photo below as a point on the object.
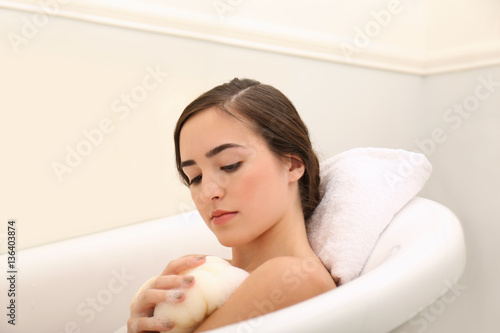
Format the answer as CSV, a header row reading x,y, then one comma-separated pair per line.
x,y
231,168
227,168
195,180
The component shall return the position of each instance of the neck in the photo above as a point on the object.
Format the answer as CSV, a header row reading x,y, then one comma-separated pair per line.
x,y
286,237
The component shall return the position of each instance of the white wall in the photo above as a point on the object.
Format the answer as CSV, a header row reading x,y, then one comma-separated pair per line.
x,y
69,76
466,178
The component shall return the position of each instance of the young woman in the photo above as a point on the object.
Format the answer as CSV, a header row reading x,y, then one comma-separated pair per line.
x,y
247,158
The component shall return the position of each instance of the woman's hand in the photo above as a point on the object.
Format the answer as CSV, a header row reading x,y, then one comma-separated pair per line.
x,y
168,287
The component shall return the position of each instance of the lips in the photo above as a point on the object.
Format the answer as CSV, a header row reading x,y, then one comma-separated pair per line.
x,y
220,217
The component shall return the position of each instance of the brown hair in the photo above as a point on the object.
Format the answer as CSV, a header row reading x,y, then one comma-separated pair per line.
x,y
272,116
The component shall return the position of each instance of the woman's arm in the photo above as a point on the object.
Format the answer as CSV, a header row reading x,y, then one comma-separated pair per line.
x,y
276,284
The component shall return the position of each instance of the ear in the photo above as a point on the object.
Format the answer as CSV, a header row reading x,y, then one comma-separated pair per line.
x,y
295,167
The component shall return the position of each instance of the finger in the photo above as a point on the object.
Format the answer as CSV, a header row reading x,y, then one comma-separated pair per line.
x,y
173,282
147,300
143,324
162,282
177,266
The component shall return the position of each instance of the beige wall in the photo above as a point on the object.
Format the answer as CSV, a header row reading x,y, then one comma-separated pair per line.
x,y
65,93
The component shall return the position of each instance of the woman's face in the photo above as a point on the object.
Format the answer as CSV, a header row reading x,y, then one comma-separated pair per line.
x,y
240,188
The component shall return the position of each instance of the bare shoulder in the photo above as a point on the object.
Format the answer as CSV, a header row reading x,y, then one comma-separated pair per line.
x,y
276,284
303,277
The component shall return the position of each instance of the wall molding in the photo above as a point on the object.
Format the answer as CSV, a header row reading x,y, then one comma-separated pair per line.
x,y
465,58
298,43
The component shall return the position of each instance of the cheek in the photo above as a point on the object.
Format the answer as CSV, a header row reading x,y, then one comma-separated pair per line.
x,y
262,191
202,207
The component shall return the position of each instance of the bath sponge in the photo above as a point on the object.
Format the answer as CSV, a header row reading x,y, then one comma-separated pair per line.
x,y
215,281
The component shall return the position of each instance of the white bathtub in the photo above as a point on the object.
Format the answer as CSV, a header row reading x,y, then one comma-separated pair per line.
x,y
85,284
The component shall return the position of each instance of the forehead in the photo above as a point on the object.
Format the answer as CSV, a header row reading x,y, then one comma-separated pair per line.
x,y
210,128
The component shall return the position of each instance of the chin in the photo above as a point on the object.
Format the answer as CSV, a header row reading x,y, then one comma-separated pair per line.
x,y
228,242
231,240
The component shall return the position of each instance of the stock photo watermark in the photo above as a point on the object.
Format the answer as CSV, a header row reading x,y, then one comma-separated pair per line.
x,y
31,25
89,309
224,7
292,277
363,36
430,314
453,118
12,267
121,108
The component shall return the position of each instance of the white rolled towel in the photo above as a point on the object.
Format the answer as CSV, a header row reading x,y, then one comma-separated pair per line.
x,y
215,281
362,189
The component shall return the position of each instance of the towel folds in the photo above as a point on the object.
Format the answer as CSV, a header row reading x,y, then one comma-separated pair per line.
x,y
362,189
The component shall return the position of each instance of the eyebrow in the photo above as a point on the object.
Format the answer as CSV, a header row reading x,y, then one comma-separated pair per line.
x,y
212,152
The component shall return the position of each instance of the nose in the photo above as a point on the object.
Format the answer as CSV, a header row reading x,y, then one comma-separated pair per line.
x,y
211,189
